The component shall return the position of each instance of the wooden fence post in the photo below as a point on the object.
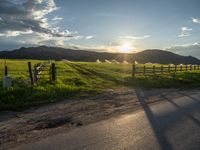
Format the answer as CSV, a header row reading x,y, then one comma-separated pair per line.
x,y
53,72
161,69
5,68
169,69
133,70
154,70
30,73
186,67
190,67
6,71
198,67
35,74
144,70
181,68
175,70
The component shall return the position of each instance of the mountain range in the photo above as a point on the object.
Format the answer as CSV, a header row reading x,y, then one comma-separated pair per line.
x,y
57,53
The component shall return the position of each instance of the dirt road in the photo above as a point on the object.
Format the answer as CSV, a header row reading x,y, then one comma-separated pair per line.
x,y
18,128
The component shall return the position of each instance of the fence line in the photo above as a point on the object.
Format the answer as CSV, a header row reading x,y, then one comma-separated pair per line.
x,y
48,70
42,70
155,69
39,69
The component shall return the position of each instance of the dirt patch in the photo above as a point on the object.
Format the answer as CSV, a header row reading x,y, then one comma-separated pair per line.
x,y
28,126
22,127
51,123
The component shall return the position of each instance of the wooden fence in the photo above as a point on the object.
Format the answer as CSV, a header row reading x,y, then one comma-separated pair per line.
x,y
161,69
42,71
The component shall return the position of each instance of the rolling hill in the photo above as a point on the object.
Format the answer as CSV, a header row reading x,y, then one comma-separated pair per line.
x,y
56,53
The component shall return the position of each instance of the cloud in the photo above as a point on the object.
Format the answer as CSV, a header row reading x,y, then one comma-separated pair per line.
x,y
195,20
186,49
21,17
89,37
57,18
185,31
48,39
15,33
42,39
135,37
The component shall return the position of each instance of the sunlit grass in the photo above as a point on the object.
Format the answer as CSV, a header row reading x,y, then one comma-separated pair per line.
x,y
79,79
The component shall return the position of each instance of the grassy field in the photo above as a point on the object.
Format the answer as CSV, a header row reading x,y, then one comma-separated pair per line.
x,y
79,79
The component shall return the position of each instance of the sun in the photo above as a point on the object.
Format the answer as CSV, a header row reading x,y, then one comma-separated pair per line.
x,y
125,48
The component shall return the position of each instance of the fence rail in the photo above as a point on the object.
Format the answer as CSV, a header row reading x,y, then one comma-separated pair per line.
x,y
41,71
50,71
161,69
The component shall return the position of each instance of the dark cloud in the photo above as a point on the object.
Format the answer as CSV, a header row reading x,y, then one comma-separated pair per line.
x,y
27,16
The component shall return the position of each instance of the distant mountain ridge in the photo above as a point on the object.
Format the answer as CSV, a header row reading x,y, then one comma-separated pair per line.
x,y
57,53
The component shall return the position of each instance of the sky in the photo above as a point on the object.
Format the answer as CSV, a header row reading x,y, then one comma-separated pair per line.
x,y
102,25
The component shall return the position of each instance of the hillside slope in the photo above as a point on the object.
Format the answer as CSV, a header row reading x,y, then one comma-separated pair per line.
x,y
163,57
56,53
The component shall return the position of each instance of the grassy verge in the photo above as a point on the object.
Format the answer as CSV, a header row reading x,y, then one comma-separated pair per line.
x,y
76,80
180,80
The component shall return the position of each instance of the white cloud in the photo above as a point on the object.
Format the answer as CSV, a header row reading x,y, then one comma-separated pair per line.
x,y
89,37
186,49
28,17
16,33
185,31
49,39
57,18
135,37
195,20
183,35
77,37
44,39
185,45
21,16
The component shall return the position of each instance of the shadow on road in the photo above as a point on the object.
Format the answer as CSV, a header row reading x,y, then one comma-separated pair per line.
x,y
162,123
187,111
161,139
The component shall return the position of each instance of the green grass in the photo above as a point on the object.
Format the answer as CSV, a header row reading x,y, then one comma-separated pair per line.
x,y
76,80
180,80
